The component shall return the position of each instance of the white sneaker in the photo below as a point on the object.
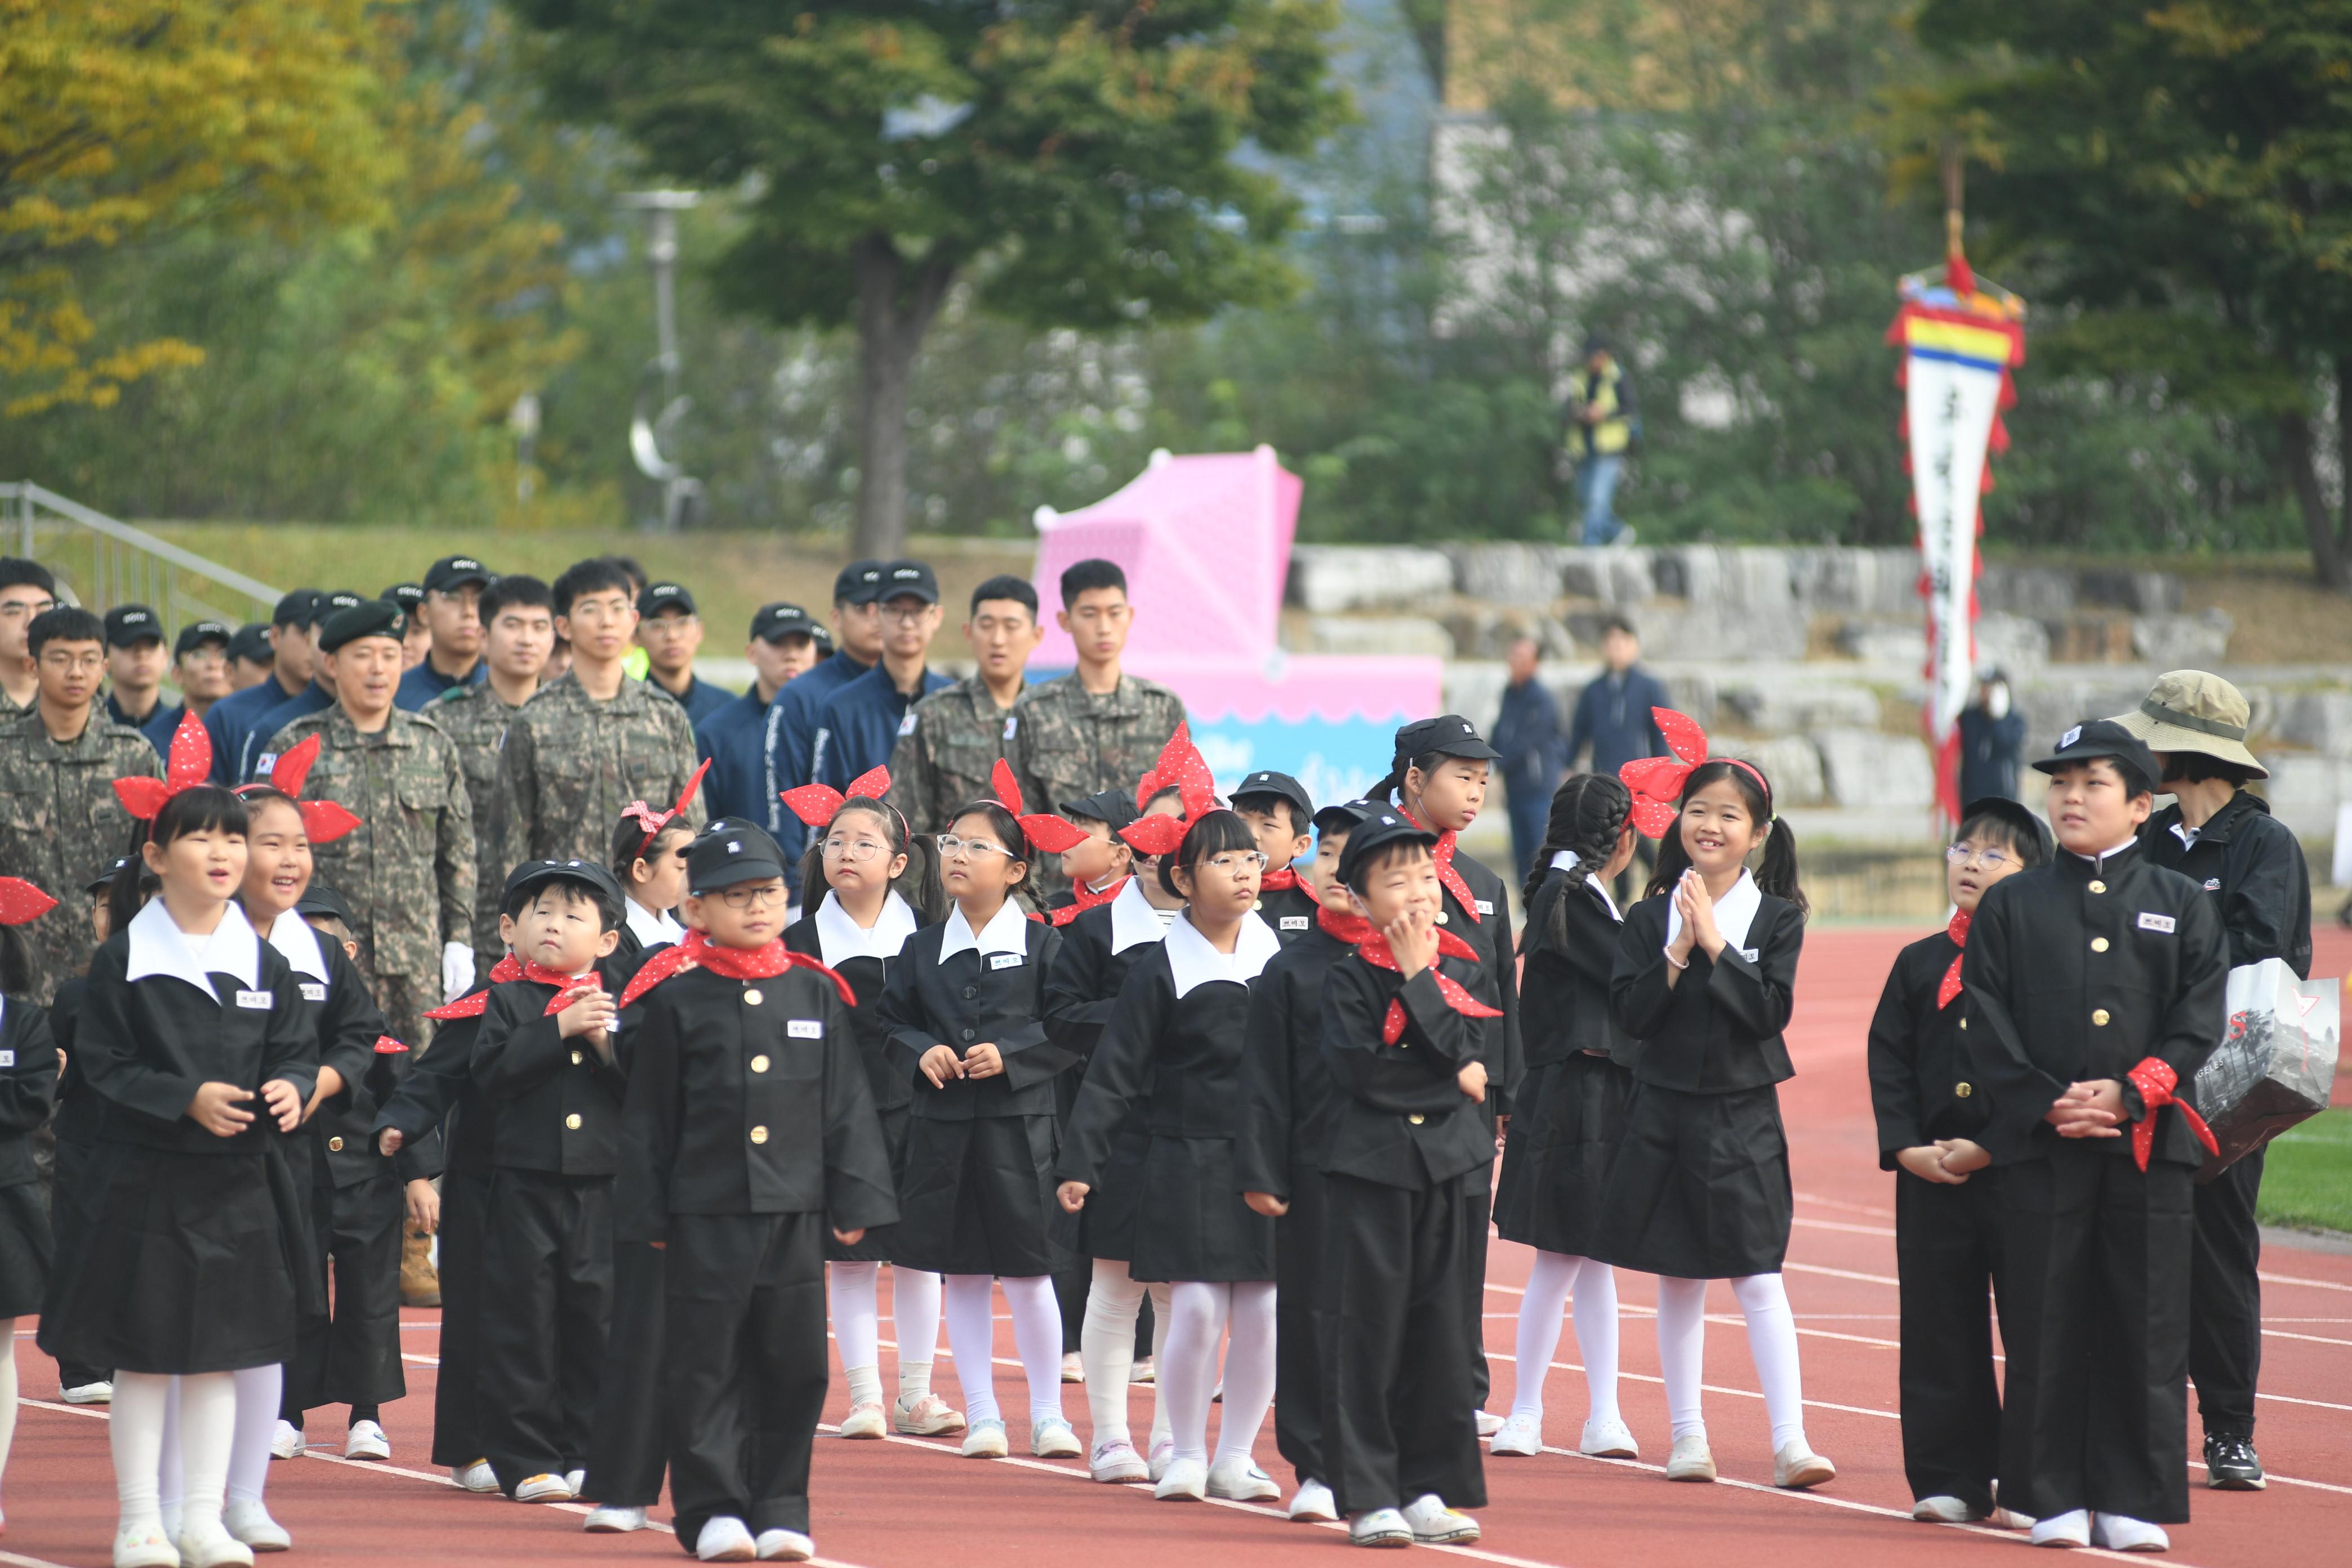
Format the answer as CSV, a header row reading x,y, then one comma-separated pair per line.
x,y
985,1440
2072,1528
1488,1423
1436,1524
1521,1434
286,1441
212,1546
1944,1511
865,1421
575,1479
1116,1462
784,1546
2120,1532
1163,1450
1691,1460
366,1440
1242,1481
927,1417
1608,1437
1312,1503
1379,1527
1796,1466
1050,1437
98,1393
613,1519
2009,1519
246,1519
1142,1371
542,1488
1074,1367
1184,1480
144,1545
476,1477
725,1539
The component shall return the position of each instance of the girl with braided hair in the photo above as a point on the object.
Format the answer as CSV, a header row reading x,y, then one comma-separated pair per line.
x,y
1570,1103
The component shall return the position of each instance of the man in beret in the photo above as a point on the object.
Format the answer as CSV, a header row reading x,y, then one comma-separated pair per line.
x,y
407,870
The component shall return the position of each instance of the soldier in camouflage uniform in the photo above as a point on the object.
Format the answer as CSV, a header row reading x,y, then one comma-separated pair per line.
x,y
951,740
407,870
60,824
26,589
517,634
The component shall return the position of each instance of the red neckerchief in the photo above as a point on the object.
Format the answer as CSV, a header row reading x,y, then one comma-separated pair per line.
x,y
1287,879
1448,877
1088,899
1959,932
1374,949
386,1045
2154,1079
698,952
506,969
569,988
1343,926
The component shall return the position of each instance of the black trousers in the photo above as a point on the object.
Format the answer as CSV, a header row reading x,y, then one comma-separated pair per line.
x,y
1299,1334
1948,1249
2096,1324
1396,1412
456,1394
547,1302
65,1187
626,1454
353,1357
2225,1299
744,1367
1479,1200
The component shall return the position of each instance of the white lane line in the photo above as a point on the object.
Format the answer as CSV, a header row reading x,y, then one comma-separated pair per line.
x,y
2298,1279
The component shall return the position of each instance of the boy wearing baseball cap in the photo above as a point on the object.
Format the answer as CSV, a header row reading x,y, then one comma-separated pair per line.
x,y
669,628
785,643
450,607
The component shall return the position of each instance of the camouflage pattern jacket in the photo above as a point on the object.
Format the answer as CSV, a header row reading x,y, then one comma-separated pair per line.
x,y
570,765
945,760
475,719
60,825
1065,742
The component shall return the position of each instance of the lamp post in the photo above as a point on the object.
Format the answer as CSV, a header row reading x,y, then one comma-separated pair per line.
x,y
649,435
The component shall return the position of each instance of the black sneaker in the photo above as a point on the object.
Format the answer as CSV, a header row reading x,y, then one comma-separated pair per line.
x,y
2230,1464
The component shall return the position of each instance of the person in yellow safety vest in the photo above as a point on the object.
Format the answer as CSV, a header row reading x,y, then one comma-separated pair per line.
x,y
1602,423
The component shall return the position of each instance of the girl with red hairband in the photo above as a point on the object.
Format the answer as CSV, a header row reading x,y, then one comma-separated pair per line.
x,y
1698,1188
28,1086
649,862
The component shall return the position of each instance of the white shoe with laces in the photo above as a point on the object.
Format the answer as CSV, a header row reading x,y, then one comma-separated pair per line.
x,y
725,1539
286,1441
2072,1528
1488,1423
1521,1434
1184,1480
144,1545
2120,1532
613,1519
784,1546
476,1477
246,1519
1608,1437
366,1440
1240,1481
1312,1503
1434,1524
1379,1527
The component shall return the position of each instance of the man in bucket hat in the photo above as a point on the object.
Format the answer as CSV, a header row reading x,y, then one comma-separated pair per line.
x,y
2223,837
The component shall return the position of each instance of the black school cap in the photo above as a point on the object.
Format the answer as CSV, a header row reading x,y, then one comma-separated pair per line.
x,y
453,571
127,626
1113,807
2097,738
774,623
2016,816
530,873
1376,828
329,606
321,900
665,596
294,609
915,577
195,634
1266,782
104,881
368,618
1343,815
1448,734
857,583
409,597
738,852
251,643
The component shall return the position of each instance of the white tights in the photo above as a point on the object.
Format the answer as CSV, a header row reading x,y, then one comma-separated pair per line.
x,y
852,1291
1107,1347
1190,1374
135,1434
1771,1342
1550,1283
258,1390
8,1391
1036,1337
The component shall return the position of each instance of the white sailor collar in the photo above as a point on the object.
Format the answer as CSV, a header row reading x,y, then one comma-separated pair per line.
x,y
298,942
158,946
839,937
1734,913
1195,962
1133,919
1565,860
1006,931
653,927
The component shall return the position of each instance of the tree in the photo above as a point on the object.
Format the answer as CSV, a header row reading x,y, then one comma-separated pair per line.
x,y
1075,161
125,121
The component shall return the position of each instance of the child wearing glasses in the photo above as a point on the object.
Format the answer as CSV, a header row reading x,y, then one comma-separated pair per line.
x,y
881,885
1948,1220
1174,1047
965,1007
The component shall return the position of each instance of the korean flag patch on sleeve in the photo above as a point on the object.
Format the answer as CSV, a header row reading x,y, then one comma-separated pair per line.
x,y
906,725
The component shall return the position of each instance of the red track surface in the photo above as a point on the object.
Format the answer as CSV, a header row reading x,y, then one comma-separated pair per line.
x,y
910,1504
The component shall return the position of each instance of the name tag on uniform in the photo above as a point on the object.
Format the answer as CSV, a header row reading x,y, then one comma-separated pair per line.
x,y
7,1058
1485,907
2155,922
906,725
313,991
2212,884
260,999
1005,961
1296,922
1750,954
805,1029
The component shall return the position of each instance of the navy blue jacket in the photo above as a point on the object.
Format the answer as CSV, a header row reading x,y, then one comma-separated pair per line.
x,y
1613,714
1527,731
160,725
862,722
790,738
701,699
729,740
229,720
423,683
314,699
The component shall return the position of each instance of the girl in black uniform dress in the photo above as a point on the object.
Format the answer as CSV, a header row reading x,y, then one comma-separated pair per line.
x,y
1570,1103
1698,1188
881,884
965,1007
28,1084
1175,1043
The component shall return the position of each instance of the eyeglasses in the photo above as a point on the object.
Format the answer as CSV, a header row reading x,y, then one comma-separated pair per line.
x,y
752,898
852,849
1235,862
58,658
952,847
1990,860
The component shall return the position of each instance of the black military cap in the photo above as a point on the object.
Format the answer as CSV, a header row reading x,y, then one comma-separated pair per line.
x,y
857,583
1386,826
195,634
2016,816
294,609
530,873
1448,734
329,606
368,618
127,626
319,899
659,596
1266,781
774,623
409,597
252,643
454,572
914,577
2096,737
1113,807
1342,817
737,852
104,881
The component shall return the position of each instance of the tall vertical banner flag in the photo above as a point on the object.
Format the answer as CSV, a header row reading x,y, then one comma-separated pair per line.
x,y
1959,345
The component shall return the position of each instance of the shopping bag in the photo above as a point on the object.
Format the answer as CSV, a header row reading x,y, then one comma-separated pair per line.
x,y
2276,1062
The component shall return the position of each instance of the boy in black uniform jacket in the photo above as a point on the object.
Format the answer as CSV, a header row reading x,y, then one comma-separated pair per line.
x,y
1400,1039
1281,813
1947,1226
545,1059
750,1129
2098,984
1293,1103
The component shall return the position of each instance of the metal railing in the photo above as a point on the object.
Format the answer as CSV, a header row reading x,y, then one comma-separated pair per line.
x,y
101,561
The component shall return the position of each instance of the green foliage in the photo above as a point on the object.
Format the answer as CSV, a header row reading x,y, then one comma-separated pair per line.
x,y
2307,1174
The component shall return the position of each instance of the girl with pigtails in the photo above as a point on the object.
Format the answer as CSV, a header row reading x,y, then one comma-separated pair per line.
x,y
1697,1187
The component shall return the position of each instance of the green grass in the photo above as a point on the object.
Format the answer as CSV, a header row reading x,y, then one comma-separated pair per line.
x,y
2307,1176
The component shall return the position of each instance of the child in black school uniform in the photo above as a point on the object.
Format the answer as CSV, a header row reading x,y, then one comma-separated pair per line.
x,y
880,885
1570,1104
965,1004
1400,1433
1099,865
1174,1047
1697,1187
76,1124
1947,1221
750,1135
2096,988
195,1039
28,1084
1282,814
546,1059
1292,1103
649,862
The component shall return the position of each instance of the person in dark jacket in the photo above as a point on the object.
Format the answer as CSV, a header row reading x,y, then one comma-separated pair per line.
x,y
1526,734
1614,716
784,645
860,724
2223,838
789,732
1992,738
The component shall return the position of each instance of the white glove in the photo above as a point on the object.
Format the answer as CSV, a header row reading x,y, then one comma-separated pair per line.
x,y
457,971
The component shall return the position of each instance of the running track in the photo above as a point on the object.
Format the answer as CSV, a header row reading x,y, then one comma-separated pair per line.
x,y
912,1504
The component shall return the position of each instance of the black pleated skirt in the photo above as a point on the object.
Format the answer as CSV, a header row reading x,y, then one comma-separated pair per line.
x,y
1193,1223
1106,1227
26,1250
1568,1117
1697,1187
977,1197
876,1244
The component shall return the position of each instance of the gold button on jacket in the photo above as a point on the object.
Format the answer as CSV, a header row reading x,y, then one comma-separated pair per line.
x,y
759,1135
577,1058
2099,1016
2097,886
1963,1091
759,1064
752,998
1416,1119
336,1144
2098,945
572,1121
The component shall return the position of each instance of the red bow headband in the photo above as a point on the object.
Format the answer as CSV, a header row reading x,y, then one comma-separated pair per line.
x,y
817,804
21,902
652,821
1181,764
189,765
1657,782
323,821
1046,831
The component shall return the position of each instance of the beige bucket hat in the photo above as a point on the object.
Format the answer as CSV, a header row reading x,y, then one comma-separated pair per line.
x,y
2190,710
